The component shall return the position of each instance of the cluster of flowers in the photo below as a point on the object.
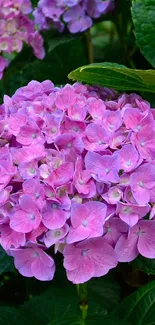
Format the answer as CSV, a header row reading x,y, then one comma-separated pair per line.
x,y
16,28
78,14
77,176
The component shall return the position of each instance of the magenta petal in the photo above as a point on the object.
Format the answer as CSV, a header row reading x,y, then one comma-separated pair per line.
x,y
104,257
54,219
72,257
146,239
83,274
23,259
24,222
43,267
77,234
142,197
126,248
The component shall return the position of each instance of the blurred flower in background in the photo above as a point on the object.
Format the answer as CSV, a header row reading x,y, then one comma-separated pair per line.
x,y
77,14
16,28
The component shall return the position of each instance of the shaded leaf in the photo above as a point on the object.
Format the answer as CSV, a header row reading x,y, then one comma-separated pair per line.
x,y
11,316
6,262
144,24
144,264
89,321
104,294
139,307
52,305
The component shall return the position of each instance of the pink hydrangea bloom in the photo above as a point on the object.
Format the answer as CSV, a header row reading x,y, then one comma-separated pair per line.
x,y
16,28
76,179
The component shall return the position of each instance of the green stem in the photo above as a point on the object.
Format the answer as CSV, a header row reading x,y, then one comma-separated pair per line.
x,y
122,32
83,302
89,46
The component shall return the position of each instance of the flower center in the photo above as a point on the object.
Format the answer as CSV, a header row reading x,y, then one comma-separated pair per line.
x,y
84,252
37,195
84,223
32,170
142,143
140,232
53,130
34,135
111,126
57,233
32,216
141,184
54,206
81,182
127,210
116,194
128,163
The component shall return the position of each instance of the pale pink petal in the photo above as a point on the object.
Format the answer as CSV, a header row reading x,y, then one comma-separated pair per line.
x,y
146,239
126,248
43,267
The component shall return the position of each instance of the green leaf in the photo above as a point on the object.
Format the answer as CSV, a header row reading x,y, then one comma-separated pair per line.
x,y
11,316
6,262
139,307
52,305
89,321
143,14
68,321
144,264
104,321
116,76
104,294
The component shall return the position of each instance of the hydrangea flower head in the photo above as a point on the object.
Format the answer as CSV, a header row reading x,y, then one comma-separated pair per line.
x,y
74,179
77,14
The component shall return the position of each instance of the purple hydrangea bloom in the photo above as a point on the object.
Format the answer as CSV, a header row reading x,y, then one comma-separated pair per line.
x,y
77,174
77,14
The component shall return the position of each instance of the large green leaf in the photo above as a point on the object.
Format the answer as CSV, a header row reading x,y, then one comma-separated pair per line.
x,y
143,13
53,305
89,321
139,307
11,316
144,264
116,76
6,262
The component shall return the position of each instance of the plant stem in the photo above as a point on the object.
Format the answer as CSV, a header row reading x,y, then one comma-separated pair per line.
x,y
89,46
83,302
